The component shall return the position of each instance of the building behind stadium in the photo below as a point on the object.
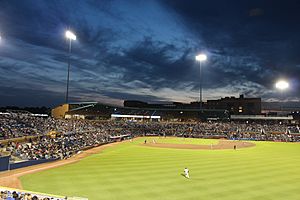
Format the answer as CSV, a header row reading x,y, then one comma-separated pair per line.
x,y
138,110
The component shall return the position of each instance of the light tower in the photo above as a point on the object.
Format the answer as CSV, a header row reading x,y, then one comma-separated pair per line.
x,y
200,58
70,36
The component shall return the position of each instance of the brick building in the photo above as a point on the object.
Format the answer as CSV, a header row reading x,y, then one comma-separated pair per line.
x,y
236,106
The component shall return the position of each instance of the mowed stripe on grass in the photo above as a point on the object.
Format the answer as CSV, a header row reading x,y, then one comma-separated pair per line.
x,y
131,171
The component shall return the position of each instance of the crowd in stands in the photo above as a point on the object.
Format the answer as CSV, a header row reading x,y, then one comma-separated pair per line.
x,y
58,147
72,136
14,125
18,195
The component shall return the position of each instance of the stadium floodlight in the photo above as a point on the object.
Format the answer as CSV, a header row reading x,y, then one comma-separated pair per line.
x,y
200,58
282,85
70,36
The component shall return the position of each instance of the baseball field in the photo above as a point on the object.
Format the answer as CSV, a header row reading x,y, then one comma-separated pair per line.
x,y
138,171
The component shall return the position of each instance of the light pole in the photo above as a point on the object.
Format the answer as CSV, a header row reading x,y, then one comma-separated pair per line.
x,y
70,36
200,58
282,85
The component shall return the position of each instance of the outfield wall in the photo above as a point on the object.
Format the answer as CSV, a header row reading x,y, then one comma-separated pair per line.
x,y
4,163
29,163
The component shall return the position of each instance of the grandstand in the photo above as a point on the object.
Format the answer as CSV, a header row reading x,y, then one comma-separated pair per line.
x,y
92,110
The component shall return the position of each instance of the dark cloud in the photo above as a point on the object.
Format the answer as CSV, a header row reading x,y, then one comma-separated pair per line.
x,y
256,12
255,49
145,50
25,97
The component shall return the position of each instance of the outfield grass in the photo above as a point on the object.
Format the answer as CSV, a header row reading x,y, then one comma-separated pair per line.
x,y
269,171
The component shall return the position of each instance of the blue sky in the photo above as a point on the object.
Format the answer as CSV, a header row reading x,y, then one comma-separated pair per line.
x,y
145,50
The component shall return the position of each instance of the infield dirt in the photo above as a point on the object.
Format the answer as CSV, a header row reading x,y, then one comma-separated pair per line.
x,y
223,144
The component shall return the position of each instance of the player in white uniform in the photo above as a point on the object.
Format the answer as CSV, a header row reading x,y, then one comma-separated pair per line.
x,y
186,172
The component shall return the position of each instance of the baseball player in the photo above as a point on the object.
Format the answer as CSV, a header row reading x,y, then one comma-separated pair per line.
x,y
186,172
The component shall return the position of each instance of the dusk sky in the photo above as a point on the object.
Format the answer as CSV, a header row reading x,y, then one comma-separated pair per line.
x,y
145,50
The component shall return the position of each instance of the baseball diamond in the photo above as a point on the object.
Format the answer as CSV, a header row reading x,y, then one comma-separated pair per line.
x,y
134,170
